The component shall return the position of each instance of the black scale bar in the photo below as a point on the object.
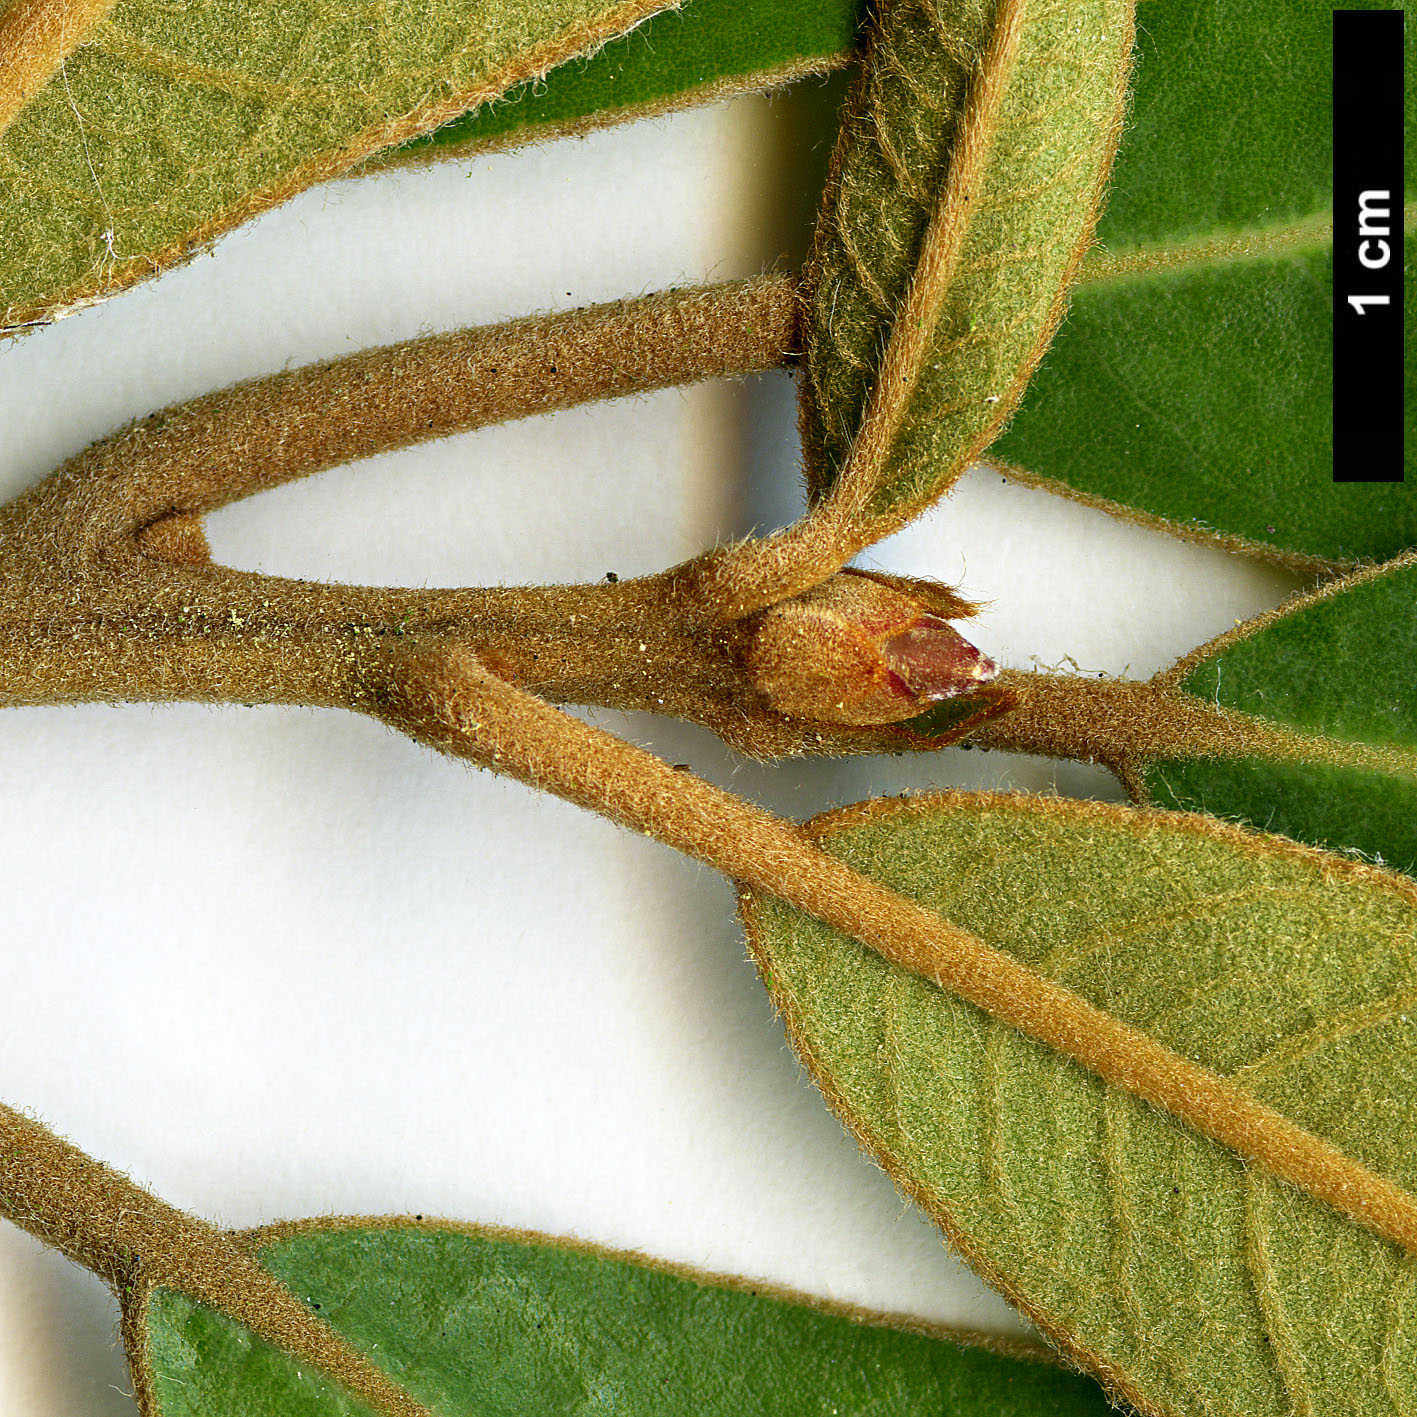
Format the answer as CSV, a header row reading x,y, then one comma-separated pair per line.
x,y
1367,245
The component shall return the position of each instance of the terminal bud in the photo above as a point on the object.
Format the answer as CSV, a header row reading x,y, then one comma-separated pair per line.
x,y
863,648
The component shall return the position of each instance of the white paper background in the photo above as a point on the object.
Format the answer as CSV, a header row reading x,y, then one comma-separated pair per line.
x,y
278,963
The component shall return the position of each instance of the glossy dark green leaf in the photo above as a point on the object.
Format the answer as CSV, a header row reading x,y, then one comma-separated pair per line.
x,y
694,55
1339,669
502,1324
1191,384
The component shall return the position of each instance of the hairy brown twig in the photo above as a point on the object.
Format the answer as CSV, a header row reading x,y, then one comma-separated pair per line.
x,y
444,697
107,590
138,1243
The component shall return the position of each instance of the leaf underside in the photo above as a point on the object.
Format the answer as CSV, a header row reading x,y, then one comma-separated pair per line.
x,y
1339,668
1192,381
1193,1282
1022,220
476,1324
679,57
172,123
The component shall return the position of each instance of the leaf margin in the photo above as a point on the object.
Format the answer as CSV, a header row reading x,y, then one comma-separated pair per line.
x,y
616,18
136,1306
997,59
819,828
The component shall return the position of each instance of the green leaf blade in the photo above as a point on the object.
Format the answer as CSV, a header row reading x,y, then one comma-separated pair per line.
x,y
1228,125
679,57
202,1364
1192,1281
1339,807
1341,664
1337,668
916,357
478,1324
1178,394
1201,398
170,124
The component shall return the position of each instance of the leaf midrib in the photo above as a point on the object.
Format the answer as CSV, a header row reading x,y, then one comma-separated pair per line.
x,y
940,1203
1282,741
1276,241
1128,721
